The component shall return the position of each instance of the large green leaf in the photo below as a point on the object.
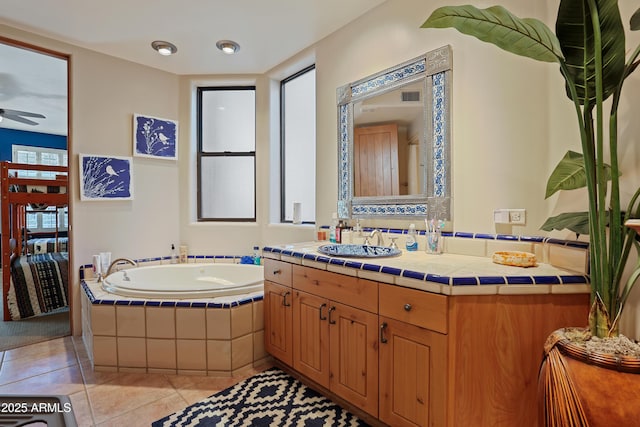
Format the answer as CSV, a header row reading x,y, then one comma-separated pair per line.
x,y
575,33
635,21
578,222
527,37
570,174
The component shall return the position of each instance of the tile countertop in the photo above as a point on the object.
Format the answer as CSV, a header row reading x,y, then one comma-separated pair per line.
x,y
449,274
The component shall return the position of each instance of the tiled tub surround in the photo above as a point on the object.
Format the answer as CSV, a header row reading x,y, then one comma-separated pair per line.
x,y
219,336
465,267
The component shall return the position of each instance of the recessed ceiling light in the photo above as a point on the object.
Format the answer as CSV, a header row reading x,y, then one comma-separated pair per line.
x,y
164,48
228,46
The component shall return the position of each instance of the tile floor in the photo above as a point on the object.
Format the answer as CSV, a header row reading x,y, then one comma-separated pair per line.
x,y
62,367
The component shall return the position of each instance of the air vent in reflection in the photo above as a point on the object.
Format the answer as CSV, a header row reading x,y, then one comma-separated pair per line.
x,y
413,95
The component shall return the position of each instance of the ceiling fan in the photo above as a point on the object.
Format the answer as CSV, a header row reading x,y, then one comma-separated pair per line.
x,y
19,116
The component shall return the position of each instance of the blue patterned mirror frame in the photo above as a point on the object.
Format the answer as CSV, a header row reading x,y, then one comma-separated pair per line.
x,y
434,68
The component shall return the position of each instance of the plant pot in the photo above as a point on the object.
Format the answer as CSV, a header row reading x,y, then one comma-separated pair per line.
x,y
581,388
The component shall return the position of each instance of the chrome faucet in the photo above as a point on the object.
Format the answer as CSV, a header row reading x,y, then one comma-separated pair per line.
x,y
373,233
118,261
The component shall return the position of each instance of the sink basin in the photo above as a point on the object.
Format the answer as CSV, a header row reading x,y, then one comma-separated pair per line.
x,y
360,251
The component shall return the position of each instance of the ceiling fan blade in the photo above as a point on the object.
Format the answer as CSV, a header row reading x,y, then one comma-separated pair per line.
x,y
18,119
4,112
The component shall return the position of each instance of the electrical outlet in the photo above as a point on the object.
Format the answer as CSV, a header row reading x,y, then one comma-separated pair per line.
x,y
517,216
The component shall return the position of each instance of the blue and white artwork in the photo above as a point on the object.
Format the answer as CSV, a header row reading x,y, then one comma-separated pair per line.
x,y
105,177
155,137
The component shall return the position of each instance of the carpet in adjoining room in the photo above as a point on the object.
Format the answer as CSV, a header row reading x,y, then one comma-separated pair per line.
x,y
18,333
271,399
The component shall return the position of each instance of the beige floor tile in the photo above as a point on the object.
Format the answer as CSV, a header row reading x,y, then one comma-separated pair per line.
x,y
31,365
81,408
42,349
195,388
92,377
104,399
125,393
65,381
144,415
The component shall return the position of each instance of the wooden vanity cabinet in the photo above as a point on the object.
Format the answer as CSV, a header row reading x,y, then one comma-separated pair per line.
x,y
410,357
311,332
413,357
278,310
335,334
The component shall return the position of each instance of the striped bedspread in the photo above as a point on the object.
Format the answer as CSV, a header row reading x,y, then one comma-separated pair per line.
x,y
39,284
46,245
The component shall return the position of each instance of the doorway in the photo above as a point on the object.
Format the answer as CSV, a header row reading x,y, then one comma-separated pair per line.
x,y
34,130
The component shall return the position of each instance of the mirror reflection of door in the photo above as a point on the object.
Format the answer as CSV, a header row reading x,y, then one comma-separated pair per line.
x,y
375,161
34,97
388,140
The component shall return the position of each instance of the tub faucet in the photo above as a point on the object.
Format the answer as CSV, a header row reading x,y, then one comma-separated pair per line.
x,y
118,261
378,233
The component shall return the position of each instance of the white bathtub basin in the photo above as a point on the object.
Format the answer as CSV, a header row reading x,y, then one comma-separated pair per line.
x,y
184,281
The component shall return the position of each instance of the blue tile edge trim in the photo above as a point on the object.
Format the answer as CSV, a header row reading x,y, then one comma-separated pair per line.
x,y
485,236
167,303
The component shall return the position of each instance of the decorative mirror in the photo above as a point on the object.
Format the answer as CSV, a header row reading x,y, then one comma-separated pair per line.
x,y
394,146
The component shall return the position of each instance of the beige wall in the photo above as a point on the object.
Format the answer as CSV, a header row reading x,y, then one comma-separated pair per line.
x,y
486,138
509,129
106,91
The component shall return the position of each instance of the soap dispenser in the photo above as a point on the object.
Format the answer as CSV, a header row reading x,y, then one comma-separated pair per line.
x,y
333,229
412,242
173,255
257,260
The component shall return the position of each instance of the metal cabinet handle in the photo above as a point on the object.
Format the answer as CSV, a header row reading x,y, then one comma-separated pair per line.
x,y
278,271
331,310
383,327
407,307
321,316
284,299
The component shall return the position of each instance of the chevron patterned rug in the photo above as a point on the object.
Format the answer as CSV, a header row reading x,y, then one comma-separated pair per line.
x,y
271,399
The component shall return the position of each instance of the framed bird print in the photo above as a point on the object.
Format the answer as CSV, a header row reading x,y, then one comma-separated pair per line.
x,y
105,177
155,137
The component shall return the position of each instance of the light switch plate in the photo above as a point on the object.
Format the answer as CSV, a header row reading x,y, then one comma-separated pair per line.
x,y
509,216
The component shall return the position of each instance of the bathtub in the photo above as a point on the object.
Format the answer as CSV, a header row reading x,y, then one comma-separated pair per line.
x,y
185,281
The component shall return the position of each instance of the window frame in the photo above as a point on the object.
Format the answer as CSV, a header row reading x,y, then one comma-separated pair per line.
x,y
39,150
39,214
283,82
201,154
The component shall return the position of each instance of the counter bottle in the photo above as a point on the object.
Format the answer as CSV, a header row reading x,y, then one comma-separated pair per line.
x,y
333,228
411,242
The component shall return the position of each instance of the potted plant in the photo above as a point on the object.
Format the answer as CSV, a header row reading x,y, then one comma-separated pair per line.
x,y
589,47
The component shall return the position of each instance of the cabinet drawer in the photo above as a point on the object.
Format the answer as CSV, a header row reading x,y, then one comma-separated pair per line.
x,y
419,308
347,290
277,271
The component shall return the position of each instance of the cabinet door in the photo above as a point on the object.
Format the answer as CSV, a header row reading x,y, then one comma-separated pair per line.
x,y
311,337
278,320
412,375
353,347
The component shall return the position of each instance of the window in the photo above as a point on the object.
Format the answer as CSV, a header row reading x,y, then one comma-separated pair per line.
x,y
226,154
51,218
298,145
39,156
